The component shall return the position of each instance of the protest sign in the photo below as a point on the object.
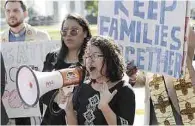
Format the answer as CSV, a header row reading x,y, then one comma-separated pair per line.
x,y
22,53
150,33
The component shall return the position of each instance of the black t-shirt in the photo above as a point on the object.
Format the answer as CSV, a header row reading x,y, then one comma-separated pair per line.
x,y
123,105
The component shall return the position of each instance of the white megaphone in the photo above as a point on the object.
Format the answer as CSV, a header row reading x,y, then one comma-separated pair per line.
x,y
31,85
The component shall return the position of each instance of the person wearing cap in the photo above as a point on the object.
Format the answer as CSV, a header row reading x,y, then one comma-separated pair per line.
x,y
19,31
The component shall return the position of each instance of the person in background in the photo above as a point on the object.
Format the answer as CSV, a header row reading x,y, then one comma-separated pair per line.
x,y
15,13
19,31
75,33
4,117
141,79
107,99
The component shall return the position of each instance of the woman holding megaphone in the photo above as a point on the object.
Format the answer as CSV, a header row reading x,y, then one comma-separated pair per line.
x,y
106,99
75,34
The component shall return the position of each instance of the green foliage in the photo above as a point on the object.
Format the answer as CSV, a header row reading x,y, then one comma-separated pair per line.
x,y
92,7
32,12
2,8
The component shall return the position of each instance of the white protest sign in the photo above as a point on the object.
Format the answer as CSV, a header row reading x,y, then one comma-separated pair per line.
x,y
151,33
17,54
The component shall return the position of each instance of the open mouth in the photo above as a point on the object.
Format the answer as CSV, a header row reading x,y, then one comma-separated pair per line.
x,y
92,69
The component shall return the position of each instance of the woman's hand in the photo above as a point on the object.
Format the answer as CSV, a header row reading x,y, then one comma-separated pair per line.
x,y
71,118
60,97
69,103
105,96
63,95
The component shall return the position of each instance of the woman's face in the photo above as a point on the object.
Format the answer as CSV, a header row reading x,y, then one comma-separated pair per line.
x,y
93,59
73,34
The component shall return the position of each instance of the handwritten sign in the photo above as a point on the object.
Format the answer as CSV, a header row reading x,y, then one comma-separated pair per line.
x,y
150,33
22,53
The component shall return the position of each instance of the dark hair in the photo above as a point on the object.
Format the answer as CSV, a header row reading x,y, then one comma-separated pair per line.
x,y
23,6
85,26
112,57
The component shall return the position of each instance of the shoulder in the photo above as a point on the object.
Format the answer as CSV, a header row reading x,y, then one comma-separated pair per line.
x,y
85,86
39,33
4,35
125,88
4,32
43,34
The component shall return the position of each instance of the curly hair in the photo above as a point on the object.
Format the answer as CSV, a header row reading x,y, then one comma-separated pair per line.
x,y
85,26
113,58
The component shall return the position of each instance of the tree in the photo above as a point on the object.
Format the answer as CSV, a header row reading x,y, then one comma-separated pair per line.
x,y
2,9
92,7
32,12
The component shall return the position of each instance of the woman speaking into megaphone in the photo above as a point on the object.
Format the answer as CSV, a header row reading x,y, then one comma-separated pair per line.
x,y
75,33
107,99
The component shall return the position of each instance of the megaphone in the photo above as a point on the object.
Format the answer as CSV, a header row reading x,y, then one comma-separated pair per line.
x,y
31,85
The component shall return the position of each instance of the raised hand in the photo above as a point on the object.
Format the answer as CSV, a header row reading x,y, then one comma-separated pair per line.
x,y
69,103
105,95
131,71
63,96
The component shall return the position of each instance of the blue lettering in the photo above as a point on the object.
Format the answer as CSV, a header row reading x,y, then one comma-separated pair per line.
x,y
103,29
128,31
157,29
140,58
158,51
138,32
114,28
173,36
165,8
145,34
150,61
118,5
178,64
166,62
170,71
152,5
136,11
163,34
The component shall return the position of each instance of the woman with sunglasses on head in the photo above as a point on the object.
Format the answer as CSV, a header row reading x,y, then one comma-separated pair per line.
x,y
75,34
106,99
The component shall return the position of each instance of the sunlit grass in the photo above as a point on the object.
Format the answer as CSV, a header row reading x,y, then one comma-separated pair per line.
x,y
139,112
193,22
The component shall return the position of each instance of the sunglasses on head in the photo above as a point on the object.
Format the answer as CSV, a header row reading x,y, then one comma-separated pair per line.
x,y
72,32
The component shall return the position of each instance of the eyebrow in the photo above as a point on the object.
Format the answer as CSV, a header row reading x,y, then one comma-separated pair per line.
x,y
12,9
71,28
97,52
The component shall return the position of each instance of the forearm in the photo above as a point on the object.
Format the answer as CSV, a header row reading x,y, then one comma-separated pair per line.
x,y
109,115
71,118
